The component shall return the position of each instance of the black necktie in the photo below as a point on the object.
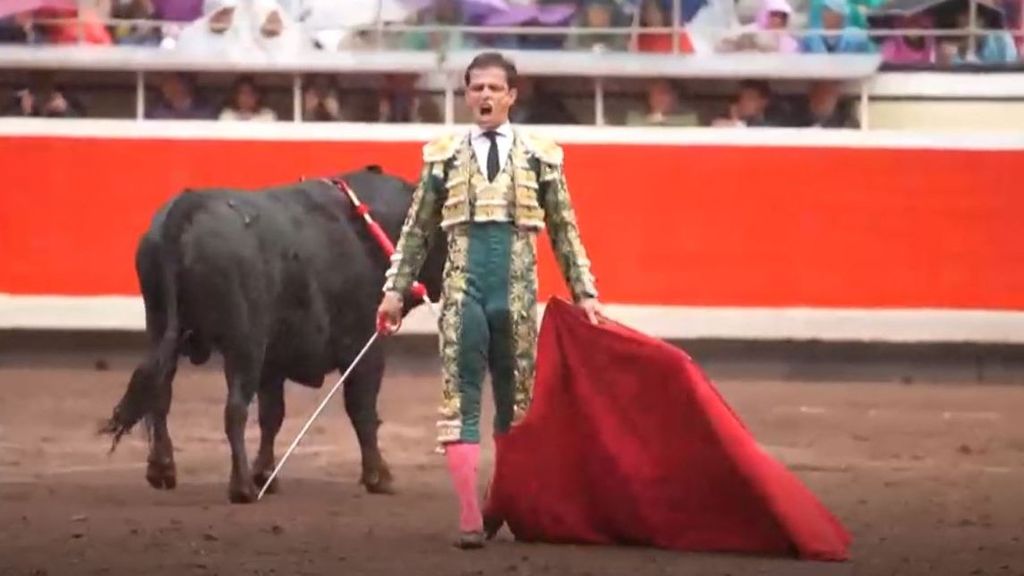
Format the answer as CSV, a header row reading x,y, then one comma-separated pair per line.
x,y
492,155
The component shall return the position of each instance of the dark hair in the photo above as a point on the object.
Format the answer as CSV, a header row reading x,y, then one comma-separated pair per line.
x,y
760,86
244,79
494,60
237,84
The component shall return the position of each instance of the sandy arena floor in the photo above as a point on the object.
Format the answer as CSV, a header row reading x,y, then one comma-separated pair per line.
x,y
929,478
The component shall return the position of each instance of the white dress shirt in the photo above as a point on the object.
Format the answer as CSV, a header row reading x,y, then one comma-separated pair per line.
x,y
482,145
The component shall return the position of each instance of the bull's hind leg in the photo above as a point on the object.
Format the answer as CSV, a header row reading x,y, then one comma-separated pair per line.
x,y
160,469
361,393
242,370
271,399
161,472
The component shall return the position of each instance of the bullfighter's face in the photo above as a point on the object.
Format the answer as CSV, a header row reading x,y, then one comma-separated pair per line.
x,y
489,96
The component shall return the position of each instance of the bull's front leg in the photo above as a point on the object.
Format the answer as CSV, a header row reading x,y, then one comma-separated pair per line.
x,y
242,380
271,400
361,393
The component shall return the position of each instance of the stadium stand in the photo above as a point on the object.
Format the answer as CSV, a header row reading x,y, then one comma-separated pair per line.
x,y
785,63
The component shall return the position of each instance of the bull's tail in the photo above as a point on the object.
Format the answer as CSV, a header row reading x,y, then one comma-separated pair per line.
x,y
158,266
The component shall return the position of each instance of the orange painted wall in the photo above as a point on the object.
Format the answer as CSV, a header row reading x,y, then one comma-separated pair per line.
x,y
665,225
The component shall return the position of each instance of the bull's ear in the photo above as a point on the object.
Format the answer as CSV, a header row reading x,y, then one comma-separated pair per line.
x,y
375,168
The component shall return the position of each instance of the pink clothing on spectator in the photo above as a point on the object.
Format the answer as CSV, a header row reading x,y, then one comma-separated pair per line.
x,y
1019,27
897,50
786,42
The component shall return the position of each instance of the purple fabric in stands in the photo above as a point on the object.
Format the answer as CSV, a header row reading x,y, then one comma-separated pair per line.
x,y
546,15
178,10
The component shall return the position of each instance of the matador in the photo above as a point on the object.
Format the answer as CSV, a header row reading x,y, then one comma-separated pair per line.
x,y
491,191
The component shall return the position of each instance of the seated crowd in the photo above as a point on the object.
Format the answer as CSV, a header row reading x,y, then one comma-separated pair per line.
x,y
227,26
790,26
661,102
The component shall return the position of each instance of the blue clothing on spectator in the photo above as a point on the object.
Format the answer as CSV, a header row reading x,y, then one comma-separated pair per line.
x,y
851,41
994,47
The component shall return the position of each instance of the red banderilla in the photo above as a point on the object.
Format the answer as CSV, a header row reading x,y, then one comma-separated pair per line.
x,y
418,290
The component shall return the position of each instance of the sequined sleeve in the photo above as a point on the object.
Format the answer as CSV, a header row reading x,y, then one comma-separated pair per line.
x,y
423,217
564,232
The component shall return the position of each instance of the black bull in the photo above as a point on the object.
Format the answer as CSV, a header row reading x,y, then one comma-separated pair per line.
x,y
285,284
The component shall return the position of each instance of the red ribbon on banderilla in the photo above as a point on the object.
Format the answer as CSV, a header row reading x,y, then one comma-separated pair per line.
x,y
418,291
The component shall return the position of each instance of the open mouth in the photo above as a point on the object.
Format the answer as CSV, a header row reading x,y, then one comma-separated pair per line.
x,y
486,109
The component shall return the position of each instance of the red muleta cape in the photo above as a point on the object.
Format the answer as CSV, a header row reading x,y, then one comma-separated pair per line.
x,y
628,442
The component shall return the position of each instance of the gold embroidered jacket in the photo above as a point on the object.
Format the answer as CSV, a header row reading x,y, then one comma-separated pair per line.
x,y
531,193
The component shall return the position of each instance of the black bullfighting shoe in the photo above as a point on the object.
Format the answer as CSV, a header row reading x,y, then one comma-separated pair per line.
x,y
492,520
492,525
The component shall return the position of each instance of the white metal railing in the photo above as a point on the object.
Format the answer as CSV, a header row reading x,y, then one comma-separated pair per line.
x,y
449,68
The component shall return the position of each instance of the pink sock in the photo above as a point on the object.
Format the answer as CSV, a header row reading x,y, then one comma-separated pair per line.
x,y
463,459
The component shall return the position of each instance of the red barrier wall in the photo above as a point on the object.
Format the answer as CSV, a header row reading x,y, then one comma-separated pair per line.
x,y
665,225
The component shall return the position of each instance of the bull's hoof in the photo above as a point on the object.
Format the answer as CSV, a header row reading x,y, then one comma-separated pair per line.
x,y
242,495
378,481
162,475
260,478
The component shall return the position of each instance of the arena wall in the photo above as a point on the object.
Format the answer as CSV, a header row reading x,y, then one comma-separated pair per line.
x,y
694,233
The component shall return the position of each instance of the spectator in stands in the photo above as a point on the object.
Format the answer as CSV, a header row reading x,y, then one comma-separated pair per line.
x,y
274,30
179,100
910,48
135,34
993,47
320,100
1014,10
768,33
246,102
663,108
598,14
58,25
652,14
749,108
217,32
439,13
835,34
399,102
535,104
823,108
529,15
18,29
44,98
240,28
856,18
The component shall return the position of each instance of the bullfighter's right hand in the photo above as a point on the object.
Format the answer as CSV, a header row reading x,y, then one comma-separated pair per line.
x,y
389,314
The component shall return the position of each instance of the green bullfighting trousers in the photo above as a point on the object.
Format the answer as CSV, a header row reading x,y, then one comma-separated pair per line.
x,y
488,316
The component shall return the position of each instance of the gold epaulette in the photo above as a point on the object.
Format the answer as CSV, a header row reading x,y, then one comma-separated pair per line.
x,y
544,148
441,149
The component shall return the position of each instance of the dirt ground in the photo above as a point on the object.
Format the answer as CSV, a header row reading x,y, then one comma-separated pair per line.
x,y
929,478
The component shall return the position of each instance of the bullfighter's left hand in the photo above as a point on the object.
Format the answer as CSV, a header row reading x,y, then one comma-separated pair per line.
x,y
593,309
